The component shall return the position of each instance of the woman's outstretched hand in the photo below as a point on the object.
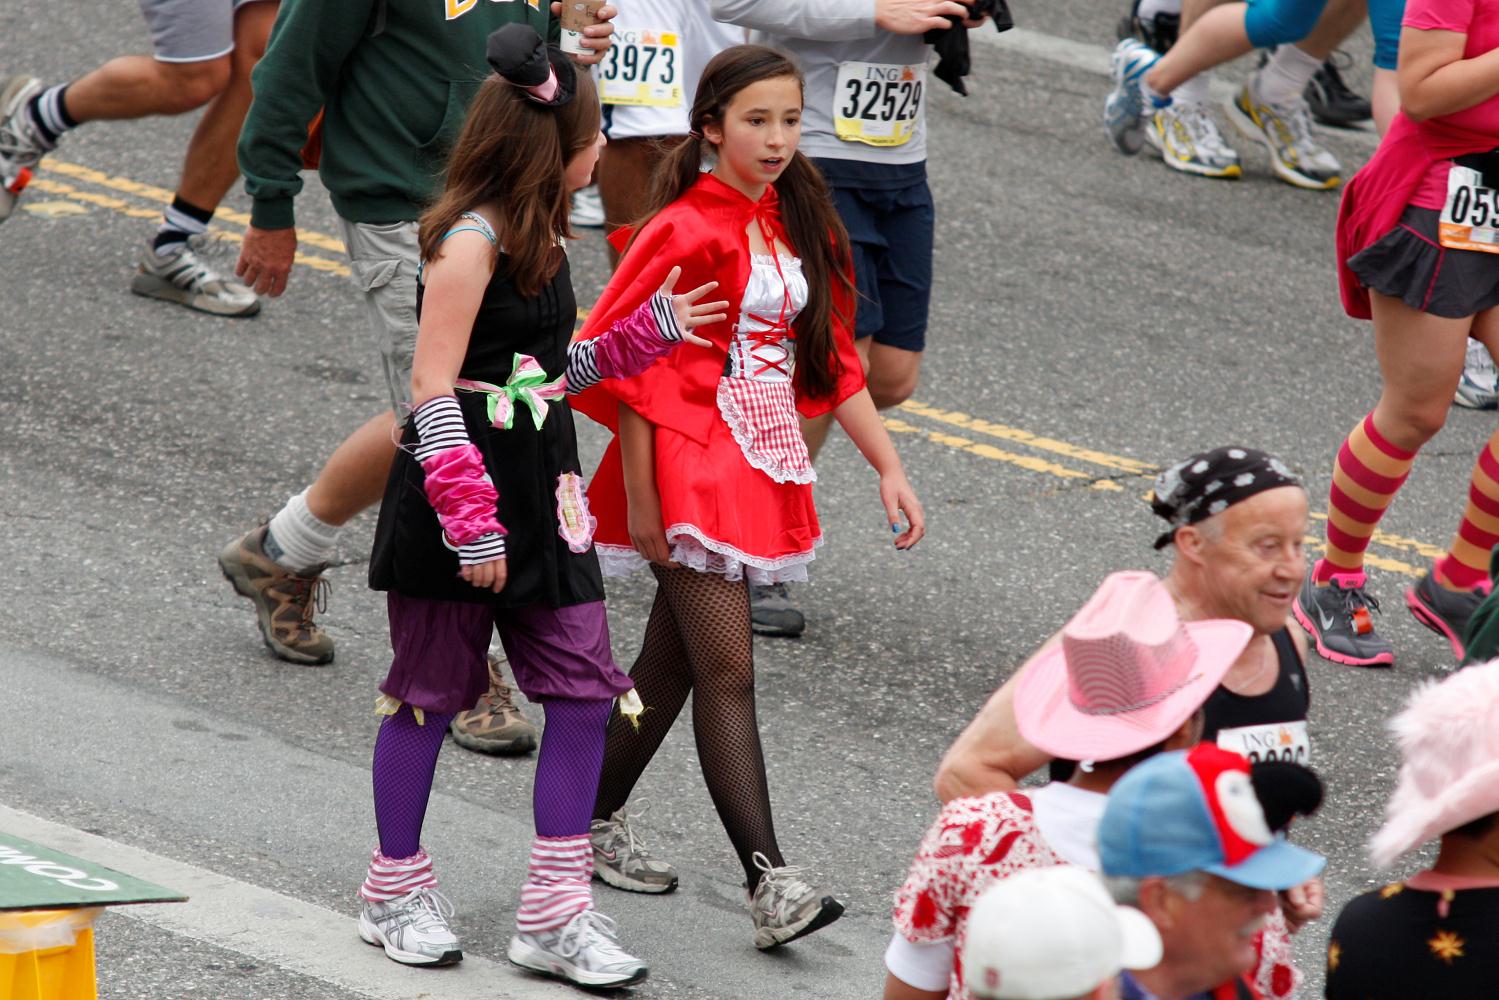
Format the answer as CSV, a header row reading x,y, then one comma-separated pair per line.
x,y
897,496
689,311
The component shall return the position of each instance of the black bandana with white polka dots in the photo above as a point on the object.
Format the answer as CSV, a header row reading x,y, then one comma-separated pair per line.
x,y
1213,481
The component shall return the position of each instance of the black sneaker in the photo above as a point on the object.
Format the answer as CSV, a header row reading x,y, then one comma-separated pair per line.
x,y
1445,612
1337,617
1330,99
772,613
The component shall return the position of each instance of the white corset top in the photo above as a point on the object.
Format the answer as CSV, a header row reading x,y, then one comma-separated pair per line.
x,y
762,348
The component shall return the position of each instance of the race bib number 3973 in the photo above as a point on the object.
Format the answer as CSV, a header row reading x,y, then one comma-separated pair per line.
x,y
1470,219
643,68
877,103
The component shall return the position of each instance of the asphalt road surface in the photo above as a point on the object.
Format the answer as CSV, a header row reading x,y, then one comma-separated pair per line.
x,y
1094,318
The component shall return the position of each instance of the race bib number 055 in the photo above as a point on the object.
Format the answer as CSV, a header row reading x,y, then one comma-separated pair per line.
x,y
1470,219
643,68
877,103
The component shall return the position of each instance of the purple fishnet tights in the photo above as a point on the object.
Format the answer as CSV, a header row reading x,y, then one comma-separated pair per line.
x,y
698,641
567,768
405,759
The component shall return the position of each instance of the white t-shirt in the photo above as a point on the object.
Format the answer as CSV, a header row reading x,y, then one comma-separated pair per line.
x,y
1067,818
648,79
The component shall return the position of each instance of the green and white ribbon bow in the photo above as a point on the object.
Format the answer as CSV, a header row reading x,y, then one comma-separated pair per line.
x,y
527,385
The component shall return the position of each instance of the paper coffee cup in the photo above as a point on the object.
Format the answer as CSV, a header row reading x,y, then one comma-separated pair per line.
x,y
577,15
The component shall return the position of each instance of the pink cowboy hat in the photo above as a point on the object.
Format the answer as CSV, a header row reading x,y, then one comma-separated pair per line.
x,y
1127,673
1449,740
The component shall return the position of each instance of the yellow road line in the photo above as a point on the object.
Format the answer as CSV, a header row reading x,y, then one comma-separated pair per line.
x,y
1029,462
1401,542
1017,436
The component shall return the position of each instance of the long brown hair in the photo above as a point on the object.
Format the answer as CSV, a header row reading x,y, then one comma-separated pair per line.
x,y
511,154
812,224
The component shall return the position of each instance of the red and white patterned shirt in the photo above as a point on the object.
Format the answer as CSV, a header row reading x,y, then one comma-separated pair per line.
x,y
973,843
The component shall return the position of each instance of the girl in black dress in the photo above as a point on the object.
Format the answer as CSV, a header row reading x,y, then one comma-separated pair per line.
x,y
485,525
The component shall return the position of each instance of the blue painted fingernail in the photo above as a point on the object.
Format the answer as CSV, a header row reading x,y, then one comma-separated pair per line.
x,y
895,527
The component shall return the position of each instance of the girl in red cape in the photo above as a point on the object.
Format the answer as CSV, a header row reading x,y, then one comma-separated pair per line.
x,y
708,478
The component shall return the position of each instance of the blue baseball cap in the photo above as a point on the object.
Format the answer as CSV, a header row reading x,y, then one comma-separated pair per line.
x,y
1197,811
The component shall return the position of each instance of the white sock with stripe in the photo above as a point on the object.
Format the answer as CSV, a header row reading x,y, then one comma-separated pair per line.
x,y
557,885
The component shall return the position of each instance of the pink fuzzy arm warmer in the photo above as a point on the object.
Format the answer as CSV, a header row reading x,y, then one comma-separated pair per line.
x,y
458,487
627,348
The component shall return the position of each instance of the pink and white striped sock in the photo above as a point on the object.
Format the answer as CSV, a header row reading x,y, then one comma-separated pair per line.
x,y
392,878
557,885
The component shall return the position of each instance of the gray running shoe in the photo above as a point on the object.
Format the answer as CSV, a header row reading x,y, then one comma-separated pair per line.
x,y
1338,617
621,860
183,277
494,725
772,613
784,907
413,930
585,951
1124,111
21,147
1445,612
1478,389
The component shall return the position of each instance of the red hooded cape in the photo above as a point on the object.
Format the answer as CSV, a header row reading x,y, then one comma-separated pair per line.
x,y
704,232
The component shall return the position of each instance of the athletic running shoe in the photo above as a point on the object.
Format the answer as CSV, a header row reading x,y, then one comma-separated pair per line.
x,y
1338,617
413,930
772,613
21,146
1188,140
182,276
587,208
785,907
1331,100
621,860
1478,389
1124,111
494,725
1159,32
1445,612
585,951
1287,133
284,601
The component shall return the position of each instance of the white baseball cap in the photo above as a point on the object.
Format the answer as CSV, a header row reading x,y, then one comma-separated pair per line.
x,y
1052,933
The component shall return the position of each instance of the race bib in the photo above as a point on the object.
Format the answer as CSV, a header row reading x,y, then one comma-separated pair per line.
x,y
877,103
1470,219
1283,741
643,68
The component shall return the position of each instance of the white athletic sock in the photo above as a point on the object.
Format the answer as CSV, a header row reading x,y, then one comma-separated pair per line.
x,y
1148,9
1197,90
1285,75
298,539
1154,99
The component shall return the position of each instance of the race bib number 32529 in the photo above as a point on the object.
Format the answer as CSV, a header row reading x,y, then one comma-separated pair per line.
x,y
877,103
1470,219
643,68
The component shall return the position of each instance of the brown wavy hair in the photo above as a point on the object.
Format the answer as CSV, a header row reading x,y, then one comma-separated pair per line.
x,y
511,154
812,224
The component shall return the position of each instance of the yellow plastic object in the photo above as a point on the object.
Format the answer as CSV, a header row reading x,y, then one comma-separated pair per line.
x,y
48,955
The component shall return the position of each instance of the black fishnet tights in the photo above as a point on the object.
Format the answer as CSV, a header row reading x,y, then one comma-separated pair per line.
x,y
698,641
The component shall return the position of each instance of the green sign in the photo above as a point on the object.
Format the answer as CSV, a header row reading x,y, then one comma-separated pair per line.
x,y
33,877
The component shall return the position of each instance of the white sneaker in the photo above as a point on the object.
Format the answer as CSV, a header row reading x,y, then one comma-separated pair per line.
x,y
1478,389
1187,137
182,276
413,930
1286,132
784,907
588,208
21,147
584,951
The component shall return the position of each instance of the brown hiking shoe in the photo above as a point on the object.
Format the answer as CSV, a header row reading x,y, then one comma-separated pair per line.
x,y
494,725
284,601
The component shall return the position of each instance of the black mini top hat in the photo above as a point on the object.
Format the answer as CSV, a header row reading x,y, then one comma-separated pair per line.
x,y
518,54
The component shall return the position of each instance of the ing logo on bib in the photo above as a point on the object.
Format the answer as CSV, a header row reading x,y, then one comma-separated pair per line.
x,y
457,8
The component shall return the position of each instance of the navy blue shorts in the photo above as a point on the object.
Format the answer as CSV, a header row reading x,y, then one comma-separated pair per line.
x,y
889,215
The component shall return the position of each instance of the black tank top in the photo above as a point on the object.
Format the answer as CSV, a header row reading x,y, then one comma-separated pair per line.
x,y
1262,726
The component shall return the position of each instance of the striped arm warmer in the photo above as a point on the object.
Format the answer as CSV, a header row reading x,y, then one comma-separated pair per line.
x,y
458,487
627,348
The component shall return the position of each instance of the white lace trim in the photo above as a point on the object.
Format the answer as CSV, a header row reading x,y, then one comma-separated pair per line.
x,y
744,436
695,550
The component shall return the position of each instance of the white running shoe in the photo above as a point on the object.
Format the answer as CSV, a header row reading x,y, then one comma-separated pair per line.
x,y
21,146
588,208
1478,389
785,907
621,860
183,276
1124,109
1286,132
413,930
584,951
1188,140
